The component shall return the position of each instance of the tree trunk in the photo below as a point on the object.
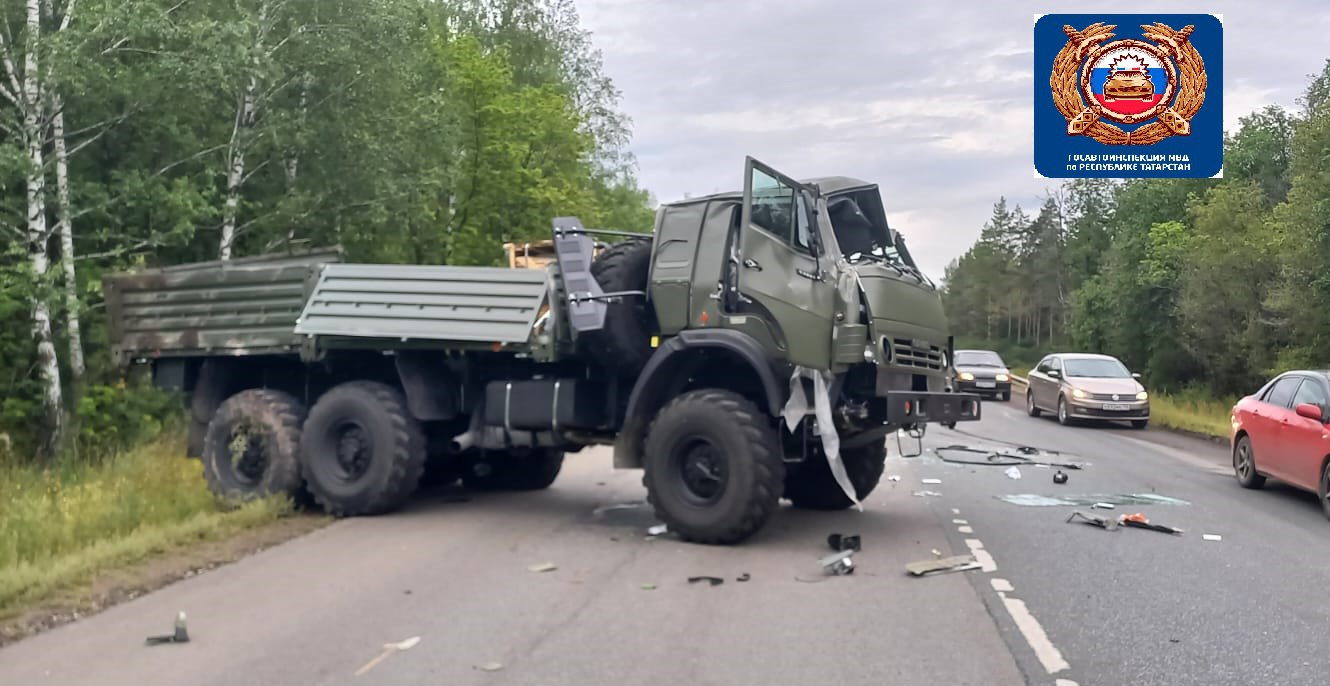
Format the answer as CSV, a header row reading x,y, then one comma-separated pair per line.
x,y
65,229
48,365
246,110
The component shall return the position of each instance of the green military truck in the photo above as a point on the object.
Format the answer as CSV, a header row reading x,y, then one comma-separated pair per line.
x,y
727,354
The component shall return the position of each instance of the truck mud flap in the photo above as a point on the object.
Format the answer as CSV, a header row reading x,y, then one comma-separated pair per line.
x,y
907,407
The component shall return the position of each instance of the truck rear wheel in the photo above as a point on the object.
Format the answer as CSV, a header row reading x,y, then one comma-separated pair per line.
x,y
361,451
624,343
251,448
811,485
713,467
519,470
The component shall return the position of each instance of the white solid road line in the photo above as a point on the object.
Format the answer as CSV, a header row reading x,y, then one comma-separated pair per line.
x,y
981,556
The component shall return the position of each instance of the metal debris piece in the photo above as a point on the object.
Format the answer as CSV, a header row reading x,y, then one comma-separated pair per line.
x,y
389,649
181,634
921,494
1212,537
1102,506
743,577
839,542
543,567
1094,520
713,580
1059,477
839,564
1139,521
930,481
1013,473
956,563
490,667
617,506
657,530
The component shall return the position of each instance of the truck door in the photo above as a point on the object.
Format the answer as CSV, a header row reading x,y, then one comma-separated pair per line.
x,y
781,271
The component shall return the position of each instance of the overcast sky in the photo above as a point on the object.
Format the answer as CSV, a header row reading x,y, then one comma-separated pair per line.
x,y
931,100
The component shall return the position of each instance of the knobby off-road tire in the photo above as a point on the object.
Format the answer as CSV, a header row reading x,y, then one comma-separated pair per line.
x,y
811,485
624,343
714,472
252,446
524,470
1244,464
362,453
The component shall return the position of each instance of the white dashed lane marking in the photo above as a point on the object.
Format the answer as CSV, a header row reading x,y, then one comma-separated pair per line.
x,y
1035,636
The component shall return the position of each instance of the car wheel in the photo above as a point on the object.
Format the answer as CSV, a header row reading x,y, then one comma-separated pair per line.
x,y
1324,490
1064,417
1030,409
1244,466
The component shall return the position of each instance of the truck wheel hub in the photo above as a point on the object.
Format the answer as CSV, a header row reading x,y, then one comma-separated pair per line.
x,y
702,471
353,451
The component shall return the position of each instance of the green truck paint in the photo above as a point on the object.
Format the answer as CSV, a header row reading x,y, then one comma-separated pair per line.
x,y
355,382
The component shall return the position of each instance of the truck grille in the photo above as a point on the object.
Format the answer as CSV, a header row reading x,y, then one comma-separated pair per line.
x,y
919,354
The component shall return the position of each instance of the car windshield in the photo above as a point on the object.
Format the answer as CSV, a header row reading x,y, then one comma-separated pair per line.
x,y
978,358
1096,369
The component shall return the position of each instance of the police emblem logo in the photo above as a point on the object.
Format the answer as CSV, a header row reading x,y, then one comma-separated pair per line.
x,y
1159,82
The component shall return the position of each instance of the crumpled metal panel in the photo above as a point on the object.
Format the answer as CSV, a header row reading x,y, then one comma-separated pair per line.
x,y
438,303
236,307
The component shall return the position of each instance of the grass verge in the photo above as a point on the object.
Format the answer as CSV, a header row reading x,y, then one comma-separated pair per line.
x,y
63,528
1188,411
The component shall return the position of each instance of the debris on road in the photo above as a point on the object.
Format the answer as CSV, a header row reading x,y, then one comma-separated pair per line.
x,y
840,564
839,542
713,580
997,458
490,667
389,649
743,577
922,494
1059,477
1102,506
543,567
930,481
181,634
1094,520
894,477
1139,521
1212,537
1120,499
956,563
648,587
618,506
1013,473
657,530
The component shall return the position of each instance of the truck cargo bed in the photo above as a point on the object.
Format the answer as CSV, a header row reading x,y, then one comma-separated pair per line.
x,y
424,303
243,306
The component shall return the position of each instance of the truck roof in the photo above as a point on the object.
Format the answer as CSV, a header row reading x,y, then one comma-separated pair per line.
x,y
828,185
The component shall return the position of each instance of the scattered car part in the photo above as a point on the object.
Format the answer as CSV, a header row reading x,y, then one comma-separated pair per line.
x,y
1059,477
713,580
743,577
838,564
1095,520
956,563
840,542
180,635
994,458
1140,521
543,567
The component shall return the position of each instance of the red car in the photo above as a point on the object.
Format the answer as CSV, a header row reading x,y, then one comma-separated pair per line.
x,y
1281,432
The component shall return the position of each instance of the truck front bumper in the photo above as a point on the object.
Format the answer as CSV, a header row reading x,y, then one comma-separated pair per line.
x,y
918,407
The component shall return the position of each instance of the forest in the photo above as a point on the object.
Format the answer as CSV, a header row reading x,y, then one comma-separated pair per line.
x,y
152,132
1205,286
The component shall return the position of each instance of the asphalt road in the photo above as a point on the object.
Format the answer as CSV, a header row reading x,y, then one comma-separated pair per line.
x,y
1055,603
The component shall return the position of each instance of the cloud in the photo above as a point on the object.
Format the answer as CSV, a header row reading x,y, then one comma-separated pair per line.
x,y
929,100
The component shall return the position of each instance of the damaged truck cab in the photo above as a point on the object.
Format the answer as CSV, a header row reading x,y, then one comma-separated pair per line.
x,y
757,345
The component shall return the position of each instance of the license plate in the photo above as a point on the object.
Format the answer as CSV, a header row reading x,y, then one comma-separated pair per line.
x,y
986,384
1116,407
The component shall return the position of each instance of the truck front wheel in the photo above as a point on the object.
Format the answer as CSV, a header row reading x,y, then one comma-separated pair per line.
x,y
251,446
713,467
361,451
811,485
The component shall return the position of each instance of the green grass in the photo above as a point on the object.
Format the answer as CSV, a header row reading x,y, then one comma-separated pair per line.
x,y
1191,411
60,526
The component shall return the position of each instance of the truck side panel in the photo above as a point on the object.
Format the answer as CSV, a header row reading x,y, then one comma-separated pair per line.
x,y
424,303
238,307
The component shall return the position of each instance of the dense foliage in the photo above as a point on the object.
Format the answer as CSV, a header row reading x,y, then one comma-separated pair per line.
x,y
160,131
1210,283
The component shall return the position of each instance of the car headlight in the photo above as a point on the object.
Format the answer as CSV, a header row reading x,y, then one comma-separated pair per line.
x,y
1077,393
1142,396
1003,377
966,376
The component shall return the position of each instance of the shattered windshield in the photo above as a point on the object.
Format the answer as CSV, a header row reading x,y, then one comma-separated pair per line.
x,y
861,229
1096,369
978,358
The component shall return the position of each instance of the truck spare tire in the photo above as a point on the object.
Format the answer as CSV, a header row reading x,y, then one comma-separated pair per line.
x,y
624,343
251,448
